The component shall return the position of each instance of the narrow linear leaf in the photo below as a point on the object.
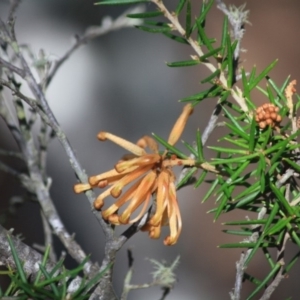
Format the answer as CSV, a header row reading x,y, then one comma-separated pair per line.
x,y
246,222
252,139
201,178
281,224
176,38
238,232
262,235
240,143
212,76
230,60
145,15
228,150
200,155
188,19
294,165
180,7
262,75
211,189
210,53
280,197
187,177
224,35
217,161
245,82
211,92
169,147
52,285
17,261
44,261
120,2
264,282
204,11
203,37
185,63
247,245
277,90
292,262
233,120
154,29
222,204
268,257
190,148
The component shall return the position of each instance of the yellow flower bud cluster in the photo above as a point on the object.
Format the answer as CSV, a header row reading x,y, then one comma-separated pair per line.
x,y
267,114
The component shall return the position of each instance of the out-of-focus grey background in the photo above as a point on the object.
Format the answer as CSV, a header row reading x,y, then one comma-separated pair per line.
x,y
120,83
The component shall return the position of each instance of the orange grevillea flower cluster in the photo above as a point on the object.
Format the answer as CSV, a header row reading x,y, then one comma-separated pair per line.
x,y
144,175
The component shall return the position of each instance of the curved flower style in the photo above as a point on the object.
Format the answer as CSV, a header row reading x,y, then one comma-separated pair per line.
x,y
149,174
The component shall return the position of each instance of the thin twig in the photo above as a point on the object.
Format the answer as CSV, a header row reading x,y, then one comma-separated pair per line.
x,y
240,265
93,32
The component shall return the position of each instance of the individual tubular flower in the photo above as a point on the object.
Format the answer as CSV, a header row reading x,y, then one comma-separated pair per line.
x,y
267,115
143,175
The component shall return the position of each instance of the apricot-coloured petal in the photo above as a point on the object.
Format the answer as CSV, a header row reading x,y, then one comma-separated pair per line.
x,y
121,201
139,197
81,187
119,185
147,141
102,136
147,159
180,124
162,192
98,203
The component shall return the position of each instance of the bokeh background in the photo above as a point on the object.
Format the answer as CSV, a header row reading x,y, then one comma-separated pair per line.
x,y
120,83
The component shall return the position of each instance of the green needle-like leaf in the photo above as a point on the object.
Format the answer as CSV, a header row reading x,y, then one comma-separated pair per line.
x,y
210,53
180,7
240,159
44,261
281,224
176,38
187,177
185,63
211,190
17,261
221,206
203,37
247,245
190,148
238,232
154,29
246,222
120,2
262,235
145,15
252,140
188,19
294,165
169,147
201,178
277,90
230,60
263,74
52,285
280,197
212,76
264,282
224,35
228,150
200,155
211,92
